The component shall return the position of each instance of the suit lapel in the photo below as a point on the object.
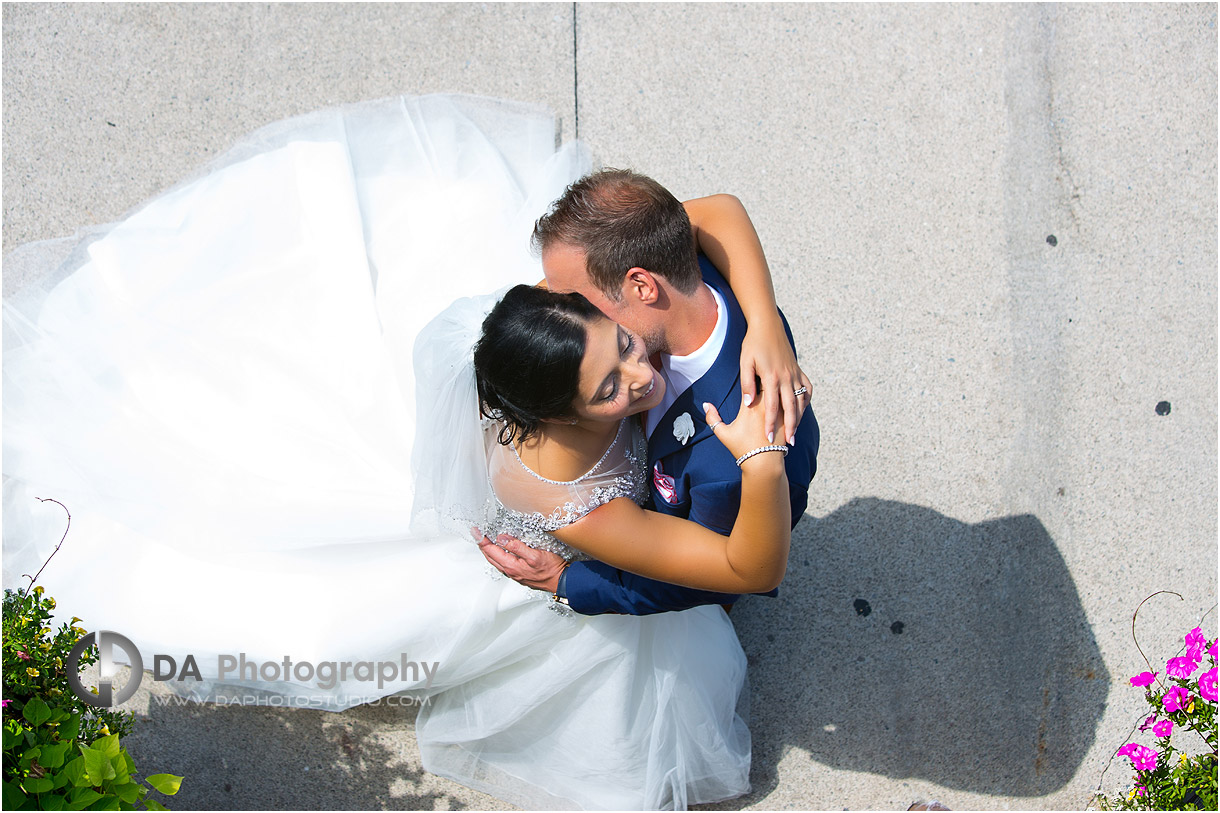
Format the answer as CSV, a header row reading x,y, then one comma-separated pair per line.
x,y
716,385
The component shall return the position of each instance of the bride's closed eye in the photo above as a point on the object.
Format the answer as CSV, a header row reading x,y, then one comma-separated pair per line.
x,y
628,346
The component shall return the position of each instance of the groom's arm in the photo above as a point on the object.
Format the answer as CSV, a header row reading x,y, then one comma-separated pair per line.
x,y
590,587
593,588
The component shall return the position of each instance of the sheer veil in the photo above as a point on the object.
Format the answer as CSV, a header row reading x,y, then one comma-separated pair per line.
x,y
452,490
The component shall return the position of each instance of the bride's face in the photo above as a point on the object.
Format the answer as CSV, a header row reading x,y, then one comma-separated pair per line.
x,y
616,378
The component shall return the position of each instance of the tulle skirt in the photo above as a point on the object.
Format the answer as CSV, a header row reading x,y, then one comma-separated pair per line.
x,y
222,389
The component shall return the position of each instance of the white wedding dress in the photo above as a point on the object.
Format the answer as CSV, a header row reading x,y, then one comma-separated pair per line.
x,y
226,391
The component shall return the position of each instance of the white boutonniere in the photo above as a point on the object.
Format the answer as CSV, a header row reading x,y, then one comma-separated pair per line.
x,y
684,428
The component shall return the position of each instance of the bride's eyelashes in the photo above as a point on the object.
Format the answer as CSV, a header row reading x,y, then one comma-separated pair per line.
x,y
628,345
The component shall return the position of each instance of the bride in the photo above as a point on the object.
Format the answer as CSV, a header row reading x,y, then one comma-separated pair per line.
x,y
225,388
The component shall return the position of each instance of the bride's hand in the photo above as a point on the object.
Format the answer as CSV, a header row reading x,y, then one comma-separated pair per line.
x,y
746,433
765,353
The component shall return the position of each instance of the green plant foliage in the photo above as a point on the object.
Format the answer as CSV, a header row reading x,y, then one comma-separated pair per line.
x,y
61,753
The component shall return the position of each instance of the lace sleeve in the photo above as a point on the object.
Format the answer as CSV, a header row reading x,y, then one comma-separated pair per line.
x,y
531,507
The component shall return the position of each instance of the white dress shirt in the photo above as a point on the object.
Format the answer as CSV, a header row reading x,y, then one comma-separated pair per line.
x,y
682,371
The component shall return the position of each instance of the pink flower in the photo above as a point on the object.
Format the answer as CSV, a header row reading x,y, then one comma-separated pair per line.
x,y
1142,757
1195,642
1177,698
1163,729
1207,685
1181,667
1211,650
1143,679
4,703
21,653
1147,724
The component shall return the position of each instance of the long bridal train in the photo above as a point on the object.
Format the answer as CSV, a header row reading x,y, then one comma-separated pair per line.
x,y
224,389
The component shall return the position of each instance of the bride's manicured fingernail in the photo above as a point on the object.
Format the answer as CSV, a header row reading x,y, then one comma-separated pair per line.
x,y
792,440
748,398
770,437
706,406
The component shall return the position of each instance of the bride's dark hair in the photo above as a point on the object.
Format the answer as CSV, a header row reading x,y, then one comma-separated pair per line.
x,y
527,361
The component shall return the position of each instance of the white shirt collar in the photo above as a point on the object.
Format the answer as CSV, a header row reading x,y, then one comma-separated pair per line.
x,y
682,371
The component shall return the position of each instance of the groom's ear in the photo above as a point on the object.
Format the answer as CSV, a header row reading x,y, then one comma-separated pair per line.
x,y
640,285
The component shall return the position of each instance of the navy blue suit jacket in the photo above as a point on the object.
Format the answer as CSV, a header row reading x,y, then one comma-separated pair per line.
x,y
706,481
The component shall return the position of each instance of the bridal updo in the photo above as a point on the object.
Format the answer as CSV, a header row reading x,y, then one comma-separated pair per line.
x,y
527,361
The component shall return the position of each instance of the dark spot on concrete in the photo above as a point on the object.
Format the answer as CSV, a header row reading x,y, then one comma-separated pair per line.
x,y
896,627
1060,492
350,747
112,124
1163,408
228,787
1052,240
770,637
862,607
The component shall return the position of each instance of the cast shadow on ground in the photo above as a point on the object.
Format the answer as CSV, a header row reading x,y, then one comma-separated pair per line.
x,y
908,644
286,759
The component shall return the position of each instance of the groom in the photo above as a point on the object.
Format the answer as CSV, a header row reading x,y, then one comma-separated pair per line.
x,y
625,243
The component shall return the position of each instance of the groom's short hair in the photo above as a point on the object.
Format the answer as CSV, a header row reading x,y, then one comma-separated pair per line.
x,y
623,220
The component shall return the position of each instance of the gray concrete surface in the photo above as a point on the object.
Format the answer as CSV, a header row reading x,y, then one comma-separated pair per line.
x,y
993,475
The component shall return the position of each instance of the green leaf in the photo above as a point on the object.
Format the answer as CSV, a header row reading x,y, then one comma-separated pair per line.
x,y
53,754
12,735
29,756
70,728
36,711
153,804
128,792
119,763
95,766
166,783
68,731
52,801
109,745
37,784
14,797
74,769
81,798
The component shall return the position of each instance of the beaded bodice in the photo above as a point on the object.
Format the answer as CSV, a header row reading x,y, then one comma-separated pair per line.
x,y
531,507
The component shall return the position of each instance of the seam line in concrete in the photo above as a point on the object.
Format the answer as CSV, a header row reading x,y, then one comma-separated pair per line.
x,y
575,76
